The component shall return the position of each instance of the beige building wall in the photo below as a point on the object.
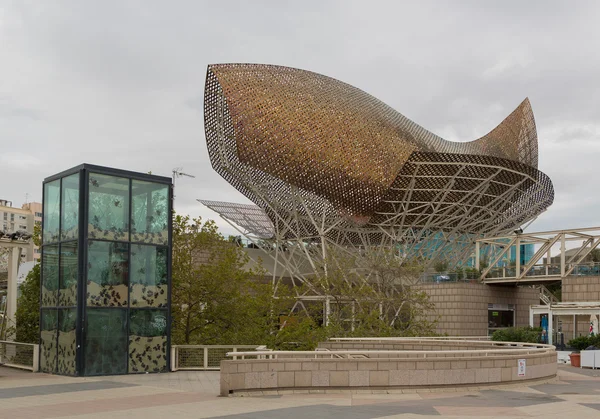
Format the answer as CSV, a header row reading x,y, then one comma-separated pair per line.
x,y
11,220
463,307
35,208
578,289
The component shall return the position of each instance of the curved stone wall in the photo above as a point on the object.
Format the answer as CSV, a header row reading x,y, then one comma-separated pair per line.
x,y
479,363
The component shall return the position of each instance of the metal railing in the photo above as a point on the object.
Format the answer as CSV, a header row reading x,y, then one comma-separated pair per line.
x,y
550,270
500,348
412,339
441,277
19,355
204,357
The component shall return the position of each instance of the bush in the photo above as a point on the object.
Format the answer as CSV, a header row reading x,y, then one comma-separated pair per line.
x,y
582,342
518,334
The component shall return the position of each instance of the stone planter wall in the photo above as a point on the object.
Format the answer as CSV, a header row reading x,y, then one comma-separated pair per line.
x,y
252,375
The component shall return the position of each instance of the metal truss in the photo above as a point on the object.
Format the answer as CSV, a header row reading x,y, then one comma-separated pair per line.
x,y
540,268
334,170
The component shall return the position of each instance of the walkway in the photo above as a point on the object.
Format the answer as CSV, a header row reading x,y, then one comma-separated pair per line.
x,y
576,393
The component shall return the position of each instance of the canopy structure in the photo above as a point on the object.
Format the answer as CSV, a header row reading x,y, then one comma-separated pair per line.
x,y
574,309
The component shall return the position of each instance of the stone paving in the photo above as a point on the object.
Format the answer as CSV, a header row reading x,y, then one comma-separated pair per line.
x,y
574,393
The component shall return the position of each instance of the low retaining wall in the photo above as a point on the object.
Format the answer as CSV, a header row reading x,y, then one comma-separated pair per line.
x,y
398,371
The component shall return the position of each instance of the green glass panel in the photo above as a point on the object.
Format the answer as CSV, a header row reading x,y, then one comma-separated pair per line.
x,y
147,341
50,275
70,207
107,269
150,212
108,216
106,341
68,274
51,211
67,320
148,286
48,335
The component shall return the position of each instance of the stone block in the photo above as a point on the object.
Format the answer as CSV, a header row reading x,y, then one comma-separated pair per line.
x,y
268,379
358,378
441,365
458,365
379,378
435,377
500,363
310,366
293,366
366,365
260,367
237,381
506,374
473,364
327,366
399,378
244,367
494,375
339,378
302,378
285,379
320,378
252,380
488,363
482,375
346,365
387,365
424,365
276,366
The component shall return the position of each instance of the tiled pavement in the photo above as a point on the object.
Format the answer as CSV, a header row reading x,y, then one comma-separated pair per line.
x,y
575,393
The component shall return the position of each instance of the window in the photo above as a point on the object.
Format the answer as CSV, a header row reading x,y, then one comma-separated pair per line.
x,y
108,207
38,214
22,227
5,216
106,341
12,217
22,217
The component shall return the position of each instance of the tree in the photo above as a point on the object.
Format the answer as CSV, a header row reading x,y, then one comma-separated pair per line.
x,y
28,308
215,299
372,294
27,315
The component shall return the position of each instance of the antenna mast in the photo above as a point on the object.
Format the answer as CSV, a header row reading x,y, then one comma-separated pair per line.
x,y
177,173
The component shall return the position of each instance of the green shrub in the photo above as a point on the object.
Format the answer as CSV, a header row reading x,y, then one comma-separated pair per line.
x,y
582,342
518,334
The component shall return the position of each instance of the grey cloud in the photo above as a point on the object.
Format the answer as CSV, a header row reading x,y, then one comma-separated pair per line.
x,y
120,83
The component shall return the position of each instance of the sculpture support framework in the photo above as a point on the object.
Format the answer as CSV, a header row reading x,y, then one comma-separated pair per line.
x,y
330,166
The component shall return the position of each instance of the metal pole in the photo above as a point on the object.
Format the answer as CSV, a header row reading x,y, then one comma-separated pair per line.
x,y
14,256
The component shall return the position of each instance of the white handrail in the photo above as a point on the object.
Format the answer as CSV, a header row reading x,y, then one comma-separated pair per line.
x,y
20,355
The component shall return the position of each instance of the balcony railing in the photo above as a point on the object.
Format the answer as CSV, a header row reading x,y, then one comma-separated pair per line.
x,y
204,357
19,355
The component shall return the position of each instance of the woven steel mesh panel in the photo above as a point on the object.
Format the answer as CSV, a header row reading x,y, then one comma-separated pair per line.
x,y
190,358
304,146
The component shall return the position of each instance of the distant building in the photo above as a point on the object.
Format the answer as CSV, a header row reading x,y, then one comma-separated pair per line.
x,y
13,219
35,208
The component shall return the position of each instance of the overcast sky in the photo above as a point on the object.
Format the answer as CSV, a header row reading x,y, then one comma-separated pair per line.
x,y
120,83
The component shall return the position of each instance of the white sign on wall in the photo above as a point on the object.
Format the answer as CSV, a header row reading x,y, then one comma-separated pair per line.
x,y
521,367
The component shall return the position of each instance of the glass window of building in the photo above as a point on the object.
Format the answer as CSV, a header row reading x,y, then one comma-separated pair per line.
x,y
148,276
150,212
108,216
70,207
51,211
107,270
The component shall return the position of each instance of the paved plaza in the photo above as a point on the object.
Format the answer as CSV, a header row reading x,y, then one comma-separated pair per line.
x,y
575,393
